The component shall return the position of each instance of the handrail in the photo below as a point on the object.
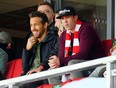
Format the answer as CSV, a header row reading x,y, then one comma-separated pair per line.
x,y
55,72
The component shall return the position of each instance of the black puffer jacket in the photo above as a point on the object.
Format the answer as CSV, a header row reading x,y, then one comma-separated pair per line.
x,y
49,46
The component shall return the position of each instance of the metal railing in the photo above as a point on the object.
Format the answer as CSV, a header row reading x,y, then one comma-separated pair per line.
x,y
110,77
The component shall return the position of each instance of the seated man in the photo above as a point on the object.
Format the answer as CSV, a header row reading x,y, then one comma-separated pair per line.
x,y
40,45
78,43
5,45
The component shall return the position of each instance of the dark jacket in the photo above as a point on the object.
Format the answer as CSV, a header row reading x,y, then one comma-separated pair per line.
x,y
49,46
52,28
90,46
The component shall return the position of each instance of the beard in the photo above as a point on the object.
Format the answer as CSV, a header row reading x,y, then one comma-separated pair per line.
x,y
38,34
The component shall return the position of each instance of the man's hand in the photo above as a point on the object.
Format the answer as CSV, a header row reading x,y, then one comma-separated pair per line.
x,y
39,69
54,62
31,41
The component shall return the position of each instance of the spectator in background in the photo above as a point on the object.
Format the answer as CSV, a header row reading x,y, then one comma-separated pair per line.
x,y
78,43
3,63
58,24
40,46
87,15
6,44
47,8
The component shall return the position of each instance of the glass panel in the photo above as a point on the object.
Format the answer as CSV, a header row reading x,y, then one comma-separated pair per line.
x,y
92,11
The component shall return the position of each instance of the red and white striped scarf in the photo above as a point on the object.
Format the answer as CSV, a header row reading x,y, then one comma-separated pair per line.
x,y
75,48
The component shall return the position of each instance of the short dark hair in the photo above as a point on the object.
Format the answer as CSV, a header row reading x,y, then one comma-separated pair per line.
x,y
40,15
46,3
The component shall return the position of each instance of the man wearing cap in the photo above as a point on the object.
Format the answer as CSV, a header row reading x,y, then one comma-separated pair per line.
x,y
5,37
5,43
79,42
3,62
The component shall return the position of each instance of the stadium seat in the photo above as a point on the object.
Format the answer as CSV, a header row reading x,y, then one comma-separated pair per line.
x,y
14,68
108,45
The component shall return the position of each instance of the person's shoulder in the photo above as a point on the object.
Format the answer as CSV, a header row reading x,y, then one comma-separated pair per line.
x,y
3,54
87,27
50,36
85,24
52,28
2,51
63,33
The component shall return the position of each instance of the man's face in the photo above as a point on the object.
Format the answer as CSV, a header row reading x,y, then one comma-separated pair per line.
x,y
37,28
69,22
48,11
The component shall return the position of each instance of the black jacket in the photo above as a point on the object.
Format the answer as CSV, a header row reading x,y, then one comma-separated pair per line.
x,y
49,46
52,28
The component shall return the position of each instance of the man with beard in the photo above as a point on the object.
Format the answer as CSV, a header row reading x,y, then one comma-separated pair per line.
x,y
40,45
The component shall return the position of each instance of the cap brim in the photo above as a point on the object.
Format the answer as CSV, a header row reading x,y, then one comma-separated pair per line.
x,y
60,16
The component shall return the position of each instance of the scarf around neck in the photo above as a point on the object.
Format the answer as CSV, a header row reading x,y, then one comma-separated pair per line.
x,y
71,50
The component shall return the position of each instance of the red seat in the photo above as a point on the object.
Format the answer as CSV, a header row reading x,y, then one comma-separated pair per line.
x,y
14,68
108,45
